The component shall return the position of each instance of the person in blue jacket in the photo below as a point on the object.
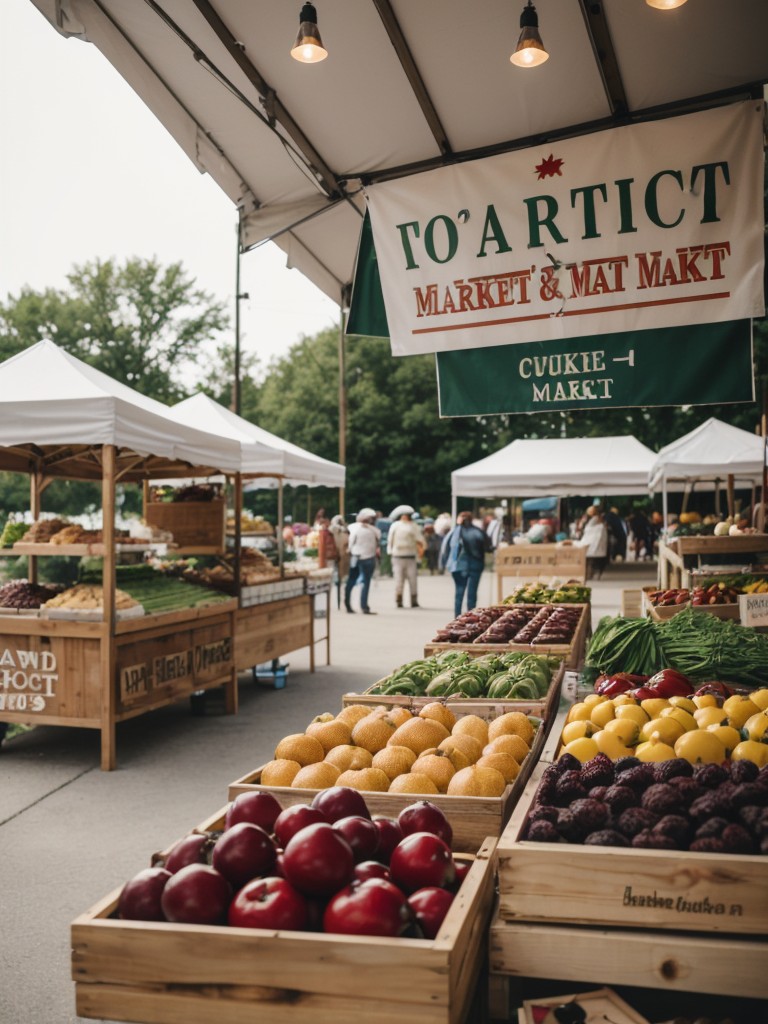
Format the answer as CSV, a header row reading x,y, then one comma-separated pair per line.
x,y
463,555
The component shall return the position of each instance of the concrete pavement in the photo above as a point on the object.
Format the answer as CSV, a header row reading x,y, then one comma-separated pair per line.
x,y
70,833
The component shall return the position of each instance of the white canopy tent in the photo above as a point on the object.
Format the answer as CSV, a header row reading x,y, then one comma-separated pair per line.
x,y
262,454
562,466
56,409
707,457
406,87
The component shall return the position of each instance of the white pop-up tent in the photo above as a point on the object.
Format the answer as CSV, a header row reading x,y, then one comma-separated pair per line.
x,y
57,412
562,466
262,454
708,456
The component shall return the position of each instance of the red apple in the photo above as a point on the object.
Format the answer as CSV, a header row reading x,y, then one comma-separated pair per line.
x,y
243,852
361,834
340,802
390,835
462,870
277,870
140,898
373,907
420,860
192,849
197,894
260,809
371,869
318,860
429,906
269,903
293,819
424,816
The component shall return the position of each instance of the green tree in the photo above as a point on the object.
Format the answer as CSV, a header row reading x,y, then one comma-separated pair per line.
x,y
145,325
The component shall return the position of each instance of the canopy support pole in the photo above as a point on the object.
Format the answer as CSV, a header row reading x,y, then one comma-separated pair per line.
x,y
280,541
108,646
342,404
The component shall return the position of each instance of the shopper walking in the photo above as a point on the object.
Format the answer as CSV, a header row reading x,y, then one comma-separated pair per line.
x,y
463,554
364,540
405,546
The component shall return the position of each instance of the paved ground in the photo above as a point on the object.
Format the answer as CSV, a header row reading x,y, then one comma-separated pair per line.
x,y
70,833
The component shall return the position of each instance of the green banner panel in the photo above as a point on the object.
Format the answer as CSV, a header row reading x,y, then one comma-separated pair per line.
x,y
696,365
367,315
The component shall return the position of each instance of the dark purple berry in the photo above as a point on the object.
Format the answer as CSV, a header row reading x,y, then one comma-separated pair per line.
x,y
743,771
650,840
569,788
688,789
736,839
710,776
625,763
591,814
543,813
710,805
634,820
542,831
568,763
676,827
676,767
640,777
747,794
597,772
606,837
598,793
661,799
707,845
712,828
619,798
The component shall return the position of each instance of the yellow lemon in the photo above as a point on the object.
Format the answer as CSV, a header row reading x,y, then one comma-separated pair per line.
x,y
627,730
611,745
579,712
632,711
654,705
602,713
624,699
654,749
728,736
683,702
704,700
760,697
739,709
757,726
685,718
709,716
595,698
575,730
583,749
667,730
700,747
748,750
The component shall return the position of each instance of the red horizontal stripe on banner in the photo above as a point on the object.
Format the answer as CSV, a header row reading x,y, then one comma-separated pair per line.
x,y
574,312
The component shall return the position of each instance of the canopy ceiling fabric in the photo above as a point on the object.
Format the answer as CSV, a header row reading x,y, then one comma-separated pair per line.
x,y
562,466
261,451
713,450
51,401
406,87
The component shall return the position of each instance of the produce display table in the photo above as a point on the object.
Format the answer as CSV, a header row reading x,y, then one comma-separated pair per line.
x,y
681,554
539,561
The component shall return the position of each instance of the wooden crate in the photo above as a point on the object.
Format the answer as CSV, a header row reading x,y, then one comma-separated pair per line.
x,y
525,562
625,887
572,654
267,631
667,961
472,818
194,524
663,613
157,972
484,707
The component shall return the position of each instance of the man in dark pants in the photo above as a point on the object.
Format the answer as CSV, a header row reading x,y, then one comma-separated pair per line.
x,y
364,540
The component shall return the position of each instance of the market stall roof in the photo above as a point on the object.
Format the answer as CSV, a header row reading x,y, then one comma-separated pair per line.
x,y
406,87
564,466
261,452
57,411
712,451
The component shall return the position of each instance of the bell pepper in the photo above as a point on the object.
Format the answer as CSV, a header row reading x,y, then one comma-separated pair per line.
x,y
612,686
716,689
671,683
644,693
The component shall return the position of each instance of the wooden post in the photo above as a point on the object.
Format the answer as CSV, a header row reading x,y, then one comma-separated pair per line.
x,y
342,404
108,645
730,494
35,502
231,693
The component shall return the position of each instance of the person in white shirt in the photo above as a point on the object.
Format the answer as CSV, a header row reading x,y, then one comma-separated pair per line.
x,y
363,547
405,545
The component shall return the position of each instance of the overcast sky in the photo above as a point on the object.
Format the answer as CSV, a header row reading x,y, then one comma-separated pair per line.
x,y
87,171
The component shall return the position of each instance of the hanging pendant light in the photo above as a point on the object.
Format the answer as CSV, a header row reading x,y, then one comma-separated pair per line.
x,y
529,52
308,47
665,5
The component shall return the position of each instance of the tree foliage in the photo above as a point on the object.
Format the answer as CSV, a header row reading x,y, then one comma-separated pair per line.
x,y
142,324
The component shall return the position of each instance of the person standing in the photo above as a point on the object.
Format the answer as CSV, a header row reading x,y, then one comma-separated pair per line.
x,y
617,535
364,540
463,554
405,545
340,535
595,537
433,544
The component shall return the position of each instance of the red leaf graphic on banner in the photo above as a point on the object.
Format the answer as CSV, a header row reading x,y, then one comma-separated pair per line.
x,y
549,167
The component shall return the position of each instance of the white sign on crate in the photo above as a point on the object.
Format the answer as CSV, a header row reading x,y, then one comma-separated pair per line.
x,y
753,609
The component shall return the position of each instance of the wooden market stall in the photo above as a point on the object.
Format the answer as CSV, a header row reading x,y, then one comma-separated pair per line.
x,y
713,456
97,667
274,617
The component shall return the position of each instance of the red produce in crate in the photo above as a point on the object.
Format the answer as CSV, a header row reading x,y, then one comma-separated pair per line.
x,y
271,903
373,907
671,683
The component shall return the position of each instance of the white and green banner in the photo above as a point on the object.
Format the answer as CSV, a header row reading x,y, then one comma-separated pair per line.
x,y
633,229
